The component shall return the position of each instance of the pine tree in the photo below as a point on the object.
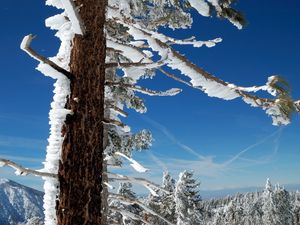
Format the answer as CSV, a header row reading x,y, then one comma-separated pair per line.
x,y
283,208
187,200
268,206
296,207
122,212
163,203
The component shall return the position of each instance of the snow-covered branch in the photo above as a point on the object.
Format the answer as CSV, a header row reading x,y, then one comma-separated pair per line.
x,y
126,200
279,109
129,50
170,92
25,46
126,213
138,180
135,165
20,170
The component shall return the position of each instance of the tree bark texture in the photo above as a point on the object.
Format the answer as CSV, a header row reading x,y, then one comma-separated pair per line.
x,y
81,165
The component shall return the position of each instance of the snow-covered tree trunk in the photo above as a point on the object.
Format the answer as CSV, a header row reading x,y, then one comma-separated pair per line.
x,y
82,152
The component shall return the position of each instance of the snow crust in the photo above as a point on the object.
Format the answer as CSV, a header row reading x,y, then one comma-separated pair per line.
x,y
201,6
58,112
74,17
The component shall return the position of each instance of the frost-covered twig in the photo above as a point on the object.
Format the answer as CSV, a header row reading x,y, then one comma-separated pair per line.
x,y
137,180
25,46
130,201
170,92
20,170
131,215
136,64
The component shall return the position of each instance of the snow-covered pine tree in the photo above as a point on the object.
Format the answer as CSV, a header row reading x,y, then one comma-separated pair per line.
x,y
233,212
283,208
187,200
252,209
163,202
268,206
167,209
75,168
124,213
296,207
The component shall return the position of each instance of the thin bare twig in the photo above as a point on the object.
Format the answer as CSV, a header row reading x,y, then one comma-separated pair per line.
x,y
145,90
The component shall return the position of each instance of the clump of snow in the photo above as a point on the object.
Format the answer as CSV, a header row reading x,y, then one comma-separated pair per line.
x,y
201,6
56,3
56,22
72,13
57,117
135,165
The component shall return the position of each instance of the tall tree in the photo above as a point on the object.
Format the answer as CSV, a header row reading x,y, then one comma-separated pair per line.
x,y
187,200
283,207
81,161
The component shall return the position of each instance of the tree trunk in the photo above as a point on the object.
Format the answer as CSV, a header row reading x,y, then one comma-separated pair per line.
x,y
80,201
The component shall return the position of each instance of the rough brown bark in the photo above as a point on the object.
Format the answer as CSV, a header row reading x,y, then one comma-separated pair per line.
x,y
80,201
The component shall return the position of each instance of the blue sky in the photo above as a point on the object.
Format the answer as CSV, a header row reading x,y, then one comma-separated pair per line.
x,y
226,143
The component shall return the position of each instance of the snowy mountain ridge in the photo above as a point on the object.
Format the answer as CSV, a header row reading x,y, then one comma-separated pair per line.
x,y
19,203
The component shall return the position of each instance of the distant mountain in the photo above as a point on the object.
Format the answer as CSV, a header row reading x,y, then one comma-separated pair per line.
x,y
19,204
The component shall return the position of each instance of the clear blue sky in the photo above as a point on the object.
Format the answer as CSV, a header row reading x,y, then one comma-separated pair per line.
x,y
191,130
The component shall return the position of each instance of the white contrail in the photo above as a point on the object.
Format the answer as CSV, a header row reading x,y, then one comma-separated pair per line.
x,y
170,136
157,161
238,155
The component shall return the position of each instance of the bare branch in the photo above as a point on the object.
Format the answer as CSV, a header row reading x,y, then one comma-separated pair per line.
x,y
175,78
170,92
130,201
114,122
117,109
24,171
25,46
129,214
138,180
